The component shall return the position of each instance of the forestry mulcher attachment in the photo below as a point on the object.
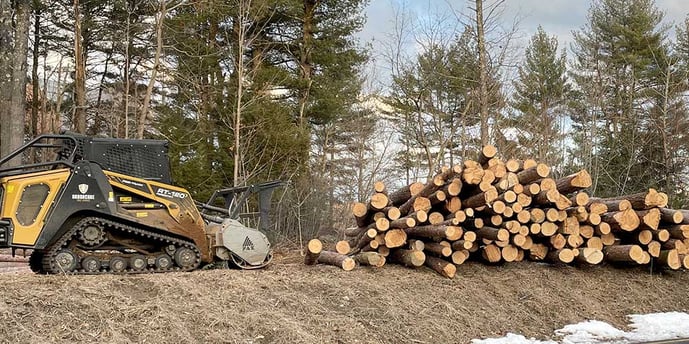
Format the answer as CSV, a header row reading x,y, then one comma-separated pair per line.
x,y
87,205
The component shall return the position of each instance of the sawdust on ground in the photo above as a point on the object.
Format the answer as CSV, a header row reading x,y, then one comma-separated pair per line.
x,y
288,302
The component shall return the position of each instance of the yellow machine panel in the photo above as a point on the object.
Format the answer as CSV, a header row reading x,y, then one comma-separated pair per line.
x,y
27,199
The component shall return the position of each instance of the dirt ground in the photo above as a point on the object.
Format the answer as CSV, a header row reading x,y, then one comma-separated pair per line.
x,y
292,303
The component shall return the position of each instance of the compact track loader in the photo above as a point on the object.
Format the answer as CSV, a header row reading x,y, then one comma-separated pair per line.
x,y
87,205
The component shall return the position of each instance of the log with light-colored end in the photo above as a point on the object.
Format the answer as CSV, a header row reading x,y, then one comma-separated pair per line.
x,y
594,242
313,249
563,255
671,216
670,258
435,218
410,258
379,187
491,253
624,253
574,182
644,237
404,193
586,231
557,241
654,248
574,240
538,252
581,198
649,218
590,255
492,233
531,174
472,172
335,259
343,247
439,248
370,258
459,257
405,222
487,152
661,235
481,199
395,238
416,244
453,188
437,197
441,266
626,220
509,253
548,229
678,231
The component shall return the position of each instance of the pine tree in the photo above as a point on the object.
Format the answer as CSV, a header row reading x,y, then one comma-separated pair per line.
x,y
539,99
616,66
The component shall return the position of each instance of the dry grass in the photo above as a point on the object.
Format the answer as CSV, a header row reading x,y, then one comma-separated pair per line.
x,y
291,303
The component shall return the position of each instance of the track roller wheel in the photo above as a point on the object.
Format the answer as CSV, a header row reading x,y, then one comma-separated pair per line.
x,y
66,261
118,264
163,262
90,264
185,257
138,262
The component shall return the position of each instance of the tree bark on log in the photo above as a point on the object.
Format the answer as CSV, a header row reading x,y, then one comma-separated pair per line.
x,y
574,182
313,250
624,253
336,259
403,194
370,258
671,216
533,173
626,220
645,200
410,258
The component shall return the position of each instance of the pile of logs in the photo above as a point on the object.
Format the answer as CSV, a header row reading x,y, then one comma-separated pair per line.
x,y
504,211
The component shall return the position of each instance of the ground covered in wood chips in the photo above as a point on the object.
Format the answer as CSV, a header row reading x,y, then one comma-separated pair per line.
x,y
292,303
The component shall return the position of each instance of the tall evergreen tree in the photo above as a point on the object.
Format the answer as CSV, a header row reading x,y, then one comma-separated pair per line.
x,y
616,65
539,99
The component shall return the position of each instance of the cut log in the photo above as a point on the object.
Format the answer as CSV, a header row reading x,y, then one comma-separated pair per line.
x,y
509,253
459,257
336,259
360,211
453,188
531,174
343,247
595,242
435,231
405,222
441,266
513,165
420,216
442,248
370,258
493,233
645,200
650,219
626,220
472,173
379,187
491,253
313,249
453,204
608,239
410,258
557,241
670,258
596,207
481,199
537,215
415,244
574,182
678,231
654,248
403,194
671,216
538,252
395,238
487,152
462,245
610,204
564,255
437,197
508,196
435,218
644,237
661,235
580,199
548,228
586,231
364,239
590,255
624,254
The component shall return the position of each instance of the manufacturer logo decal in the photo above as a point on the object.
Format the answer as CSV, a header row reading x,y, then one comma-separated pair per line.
x,y
83,197
248,245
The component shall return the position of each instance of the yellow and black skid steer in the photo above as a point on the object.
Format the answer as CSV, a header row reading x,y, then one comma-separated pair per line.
x,y
87,205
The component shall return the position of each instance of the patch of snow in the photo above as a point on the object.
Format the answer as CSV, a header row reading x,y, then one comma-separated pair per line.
x,y
647,327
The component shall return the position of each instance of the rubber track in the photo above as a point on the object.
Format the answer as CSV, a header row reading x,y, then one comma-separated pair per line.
x,y
50,266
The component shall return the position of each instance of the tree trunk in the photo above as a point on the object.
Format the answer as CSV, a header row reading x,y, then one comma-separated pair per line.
x,y
6,38
313,250
441,266
13,124
79,117
483,72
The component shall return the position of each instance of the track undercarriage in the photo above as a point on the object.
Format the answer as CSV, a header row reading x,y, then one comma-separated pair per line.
x,y
96,245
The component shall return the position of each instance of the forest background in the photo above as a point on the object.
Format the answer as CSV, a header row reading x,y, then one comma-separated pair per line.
x,y
254,90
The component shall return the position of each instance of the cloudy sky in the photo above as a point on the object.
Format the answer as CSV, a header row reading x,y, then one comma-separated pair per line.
x,y
558,17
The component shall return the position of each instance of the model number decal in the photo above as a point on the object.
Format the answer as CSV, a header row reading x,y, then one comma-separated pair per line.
x,y
170,194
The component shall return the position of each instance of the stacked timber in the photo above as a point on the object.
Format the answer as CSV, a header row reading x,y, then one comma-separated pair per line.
x,y
496,210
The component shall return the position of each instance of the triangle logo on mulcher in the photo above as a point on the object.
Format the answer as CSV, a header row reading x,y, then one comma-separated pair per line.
x,y
248,245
